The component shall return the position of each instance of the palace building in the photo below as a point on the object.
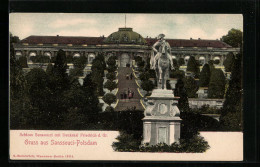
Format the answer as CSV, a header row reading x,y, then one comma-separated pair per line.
x,y
125,44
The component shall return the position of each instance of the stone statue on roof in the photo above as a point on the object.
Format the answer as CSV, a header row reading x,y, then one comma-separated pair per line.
x,y
162,61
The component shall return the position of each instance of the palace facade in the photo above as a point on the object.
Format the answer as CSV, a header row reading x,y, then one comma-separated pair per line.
x,y
125,44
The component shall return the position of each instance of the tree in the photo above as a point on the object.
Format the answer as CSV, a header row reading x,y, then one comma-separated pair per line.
x,y
14,39
23,62
175,64
111,61
181,61
39,96
109,98
80,63
111,76
144,76
183,102
49,69
229,61
217,84
193,66
110,85
98,80
204,76
233,38
92,102
190,86
147,85
231,115
60,79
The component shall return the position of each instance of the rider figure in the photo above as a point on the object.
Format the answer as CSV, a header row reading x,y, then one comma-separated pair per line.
x,y
161,47
163,51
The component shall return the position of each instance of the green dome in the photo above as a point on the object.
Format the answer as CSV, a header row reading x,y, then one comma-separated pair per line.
x,y
125,36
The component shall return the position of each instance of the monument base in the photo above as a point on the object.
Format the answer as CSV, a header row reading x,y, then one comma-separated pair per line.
x,y
161,130
161,123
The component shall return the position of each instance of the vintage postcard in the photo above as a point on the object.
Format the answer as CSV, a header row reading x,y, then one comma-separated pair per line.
x,y
141,87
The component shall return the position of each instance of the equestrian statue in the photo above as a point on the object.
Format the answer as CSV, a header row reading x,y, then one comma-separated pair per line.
x,y
162,61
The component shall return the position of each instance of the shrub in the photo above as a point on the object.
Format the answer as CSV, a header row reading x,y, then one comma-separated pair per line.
x,y
144,76
181,61
193,66
191,87
109,109
204,76
177,74
23,62
109,98
217,84
229,61
110,85
205,109
147,85
111,76
128,144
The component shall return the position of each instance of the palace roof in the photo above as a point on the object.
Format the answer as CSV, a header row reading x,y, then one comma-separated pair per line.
x,y
74,40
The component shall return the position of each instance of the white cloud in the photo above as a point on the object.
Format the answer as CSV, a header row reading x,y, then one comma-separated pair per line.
x,y
20,26
61,23
195,33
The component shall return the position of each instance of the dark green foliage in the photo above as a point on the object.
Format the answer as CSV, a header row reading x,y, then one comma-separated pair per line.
x,y
217,84
177,74
98,67
232,121
129,121
14,39
205,109
99,64
79,62
110,85
111,76
232,108
137,59
181,61
147,85
40,59
109,98
37,85
60,78
98,80
192,123
23,62
216,62
111,61
211,65
204,76
191,87
175,64
193,67
109,109
75,72
229,61
195,145
49,69
183,103
152,73
144,76
140,64
233,38
126,143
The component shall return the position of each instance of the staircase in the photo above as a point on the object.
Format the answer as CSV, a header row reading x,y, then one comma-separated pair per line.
x,y
123,85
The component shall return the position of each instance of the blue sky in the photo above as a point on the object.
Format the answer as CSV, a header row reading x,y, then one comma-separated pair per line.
x,y
178,26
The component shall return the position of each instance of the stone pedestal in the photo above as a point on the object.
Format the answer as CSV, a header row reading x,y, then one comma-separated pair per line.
x,y
161,123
